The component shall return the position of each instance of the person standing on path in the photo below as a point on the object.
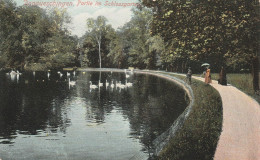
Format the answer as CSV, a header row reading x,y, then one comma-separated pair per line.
x,y
207,76
222,77
188,76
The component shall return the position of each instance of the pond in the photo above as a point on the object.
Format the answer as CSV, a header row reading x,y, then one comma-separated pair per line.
x,y
44,115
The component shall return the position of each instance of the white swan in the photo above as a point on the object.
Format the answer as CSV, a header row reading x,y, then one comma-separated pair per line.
x,y
68,74
15,73
18,73
74,73
107,84
100,84
112,85
48,75
92,86
12,73
126,75
128,84
121,86
72,83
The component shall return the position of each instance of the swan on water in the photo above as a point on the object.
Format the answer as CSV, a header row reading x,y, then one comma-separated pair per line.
x,y
121,86
100,84
92,86
12,73
126,75
72,83
48,75
18,73
60,73
15,73
112,85
107,84
68,74
74,73
128,84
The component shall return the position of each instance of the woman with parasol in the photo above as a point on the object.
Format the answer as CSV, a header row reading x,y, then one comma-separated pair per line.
x,y
207,74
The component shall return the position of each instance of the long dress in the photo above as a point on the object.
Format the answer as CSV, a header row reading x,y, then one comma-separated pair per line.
x,y
207,76
222,77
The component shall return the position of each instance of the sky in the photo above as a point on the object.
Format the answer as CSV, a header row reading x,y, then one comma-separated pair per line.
x,y
81,10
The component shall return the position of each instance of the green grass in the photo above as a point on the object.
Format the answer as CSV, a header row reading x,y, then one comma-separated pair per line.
x,y
244,82
197,139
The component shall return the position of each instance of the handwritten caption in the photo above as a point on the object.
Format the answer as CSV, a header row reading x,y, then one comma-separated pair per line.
x,y
77,3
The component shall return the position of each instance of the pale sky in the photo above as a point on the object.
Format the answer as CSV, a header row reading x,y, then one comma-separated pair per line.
x,y
117,15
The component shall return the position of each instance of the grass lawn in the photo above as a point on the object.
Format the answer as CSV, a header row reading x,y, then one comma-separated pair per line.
x,y
197,139
244,82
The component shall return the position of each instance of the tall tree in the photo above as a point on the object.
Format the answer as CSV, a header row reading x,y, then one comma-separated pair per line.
x,y
215,31
131,44
97,27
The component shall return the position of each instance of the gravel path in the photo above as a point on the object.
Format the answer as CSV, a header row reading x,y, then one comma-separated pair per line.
x,y
240,137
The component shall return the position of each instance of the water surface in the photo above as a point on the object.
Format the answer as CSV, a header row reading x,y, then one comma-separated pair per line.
x,y
44,117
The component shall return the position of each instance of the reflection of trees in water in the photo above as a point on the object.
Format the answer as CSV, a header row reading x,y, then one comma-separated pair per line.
x,y
30,108
151,106
99,100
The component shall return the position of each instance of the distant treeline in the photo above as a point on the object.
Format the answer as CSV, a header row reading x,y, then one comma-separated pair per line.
x,y
35,39
168,35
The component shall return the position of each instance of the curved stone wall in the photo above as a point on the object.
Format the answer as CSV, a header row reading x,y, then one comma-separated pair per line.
x,y
161,141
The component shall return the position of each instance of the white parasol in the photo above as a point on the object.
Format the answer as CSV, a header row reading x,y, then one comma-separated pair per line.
x,y
204,64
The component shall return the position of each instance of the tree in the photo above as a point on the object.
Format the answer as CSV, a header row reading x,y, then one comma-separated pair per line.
x,y
117,53
156,50
97,26
33,39
222,33
91,47
131,48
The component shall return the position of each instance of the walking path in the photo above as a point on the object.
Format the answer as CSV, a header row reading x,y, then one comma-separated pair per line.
x,y
240,137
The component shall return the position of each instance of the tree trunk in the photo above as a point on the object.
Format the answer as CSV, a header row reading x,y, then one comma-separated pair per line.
x,y
99,54
255,72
